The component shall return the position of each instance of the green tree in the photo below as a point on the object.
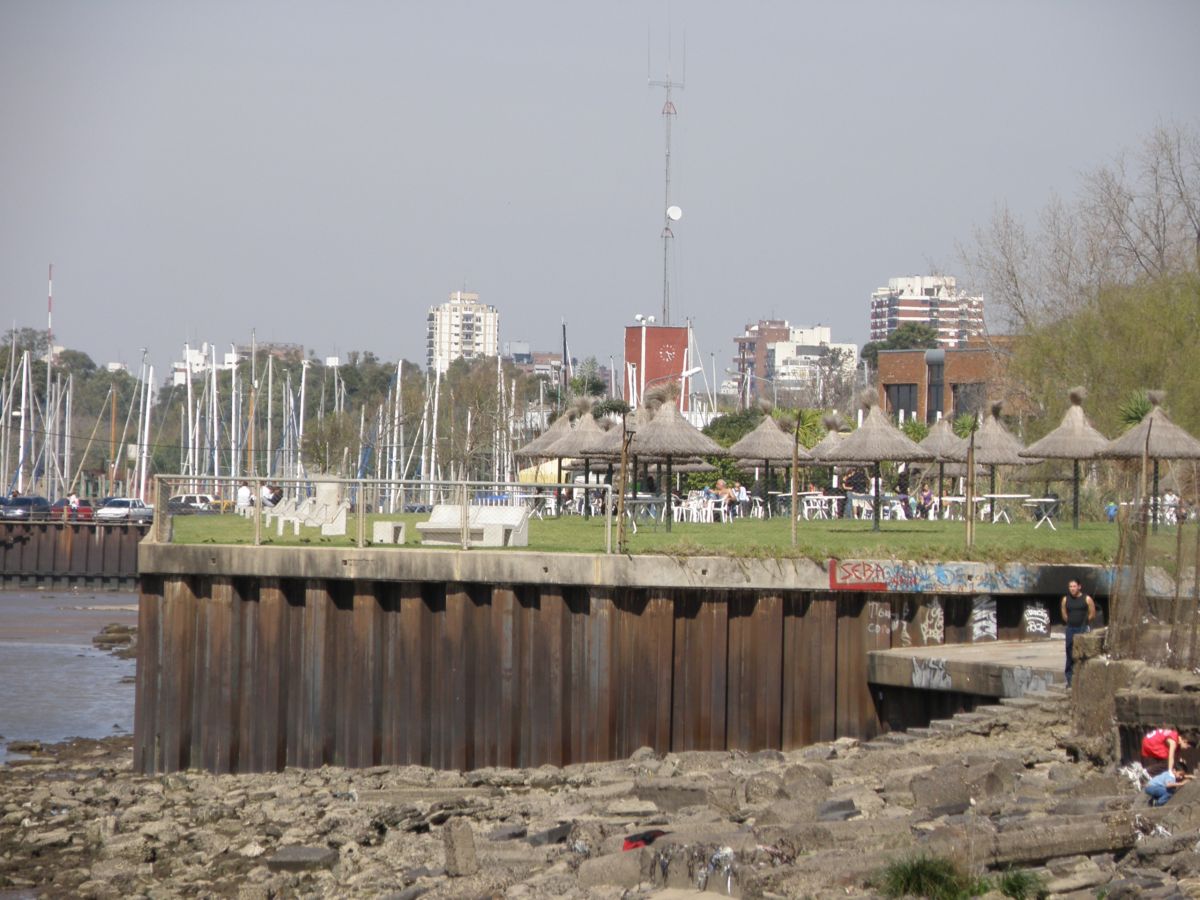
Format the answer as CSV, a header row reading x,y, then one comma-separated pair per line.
x,y
909,336
729,429
586,381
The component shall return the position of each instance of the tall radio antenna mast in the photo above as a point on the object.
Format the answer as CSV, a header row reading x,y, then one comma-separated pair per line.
x,y
670,213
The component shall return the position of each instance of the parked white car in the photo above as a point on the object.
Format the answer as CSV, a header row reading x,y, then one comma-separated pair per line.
x,y
196,501
124,509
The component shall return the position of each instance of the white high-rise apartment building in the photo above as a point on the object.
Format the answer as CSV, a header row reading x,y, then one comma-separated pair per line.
x,y
462,327
933,300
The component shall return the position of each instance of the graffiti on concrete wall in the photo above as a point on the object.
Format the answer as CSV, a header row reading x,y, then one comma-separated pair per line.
x,y
1037,618
1020,680
905,613
930,674
939,577
933,624
879,617
983,619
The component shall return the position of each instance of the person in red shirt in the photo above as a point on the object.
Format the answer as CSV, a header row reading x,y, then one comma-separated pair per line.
x,y
1160,750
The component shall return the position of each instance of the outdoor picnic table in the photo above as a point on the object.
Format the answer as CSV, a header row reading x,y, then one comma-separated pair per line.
x,y
647,510
997,507
952,507
1043,510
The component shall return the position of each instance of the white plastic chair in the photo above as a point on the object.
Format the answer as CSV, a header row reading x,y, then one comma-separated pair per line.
x,y
814,508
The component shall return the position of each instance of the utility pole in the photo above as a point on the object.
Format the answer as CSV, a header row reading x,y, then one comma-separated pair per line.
x,y
670,213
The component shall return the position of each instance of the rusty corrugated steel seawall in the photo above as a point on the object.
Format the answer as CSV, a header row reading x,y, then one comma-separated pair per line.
x,y
252,659
57,554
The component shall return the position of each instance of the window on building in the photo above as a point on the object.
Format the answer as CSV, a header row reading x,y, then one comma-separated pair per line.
x,y
969,398
936,391
901,397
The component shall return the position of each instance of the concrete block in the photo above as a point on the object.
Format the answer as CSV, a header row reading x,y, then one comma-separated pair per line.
x,y
627,869
302,859
387,533
459,842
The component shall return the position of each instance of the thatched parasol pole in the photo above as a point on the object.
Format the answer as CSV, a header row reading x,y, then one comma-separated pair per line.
x,y
795,475
626,436
670,495
941,478
587,485
877,486
969,500
1075,495
992,490
558,491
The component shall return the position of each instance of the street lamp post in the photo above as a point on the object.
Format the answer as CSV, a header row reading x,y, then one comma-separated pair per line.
x,y
644,321
749,376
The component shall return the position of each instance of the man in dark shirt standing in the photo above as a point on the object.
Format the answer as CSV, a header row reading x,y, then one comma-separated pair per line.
x,y
1078,611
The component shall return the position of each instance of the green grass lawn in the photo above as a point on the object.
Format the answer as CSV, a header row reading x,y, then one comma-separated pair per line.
x,y
751,538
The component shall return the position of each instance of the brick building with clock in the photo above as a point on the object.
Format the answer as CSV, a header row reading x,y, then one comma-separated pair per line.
x,y
655,355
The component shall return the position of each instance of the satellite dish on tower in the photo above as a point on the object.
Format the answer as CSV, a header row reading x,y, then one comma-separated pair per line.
x,y
674,213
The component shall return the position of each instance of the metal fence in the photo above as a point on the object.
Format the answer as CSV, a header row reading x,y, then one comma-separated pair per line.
x,y
352,507
1136,616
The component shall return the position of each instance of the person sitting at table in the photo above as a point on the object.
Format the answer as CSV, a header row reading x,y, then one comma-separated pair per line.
x,y
856,483
924,501
743,499
902,494
726,494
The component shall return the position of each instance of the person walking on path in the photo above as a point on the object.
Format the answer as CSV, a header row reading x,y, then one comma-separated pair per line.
x,y
1078,611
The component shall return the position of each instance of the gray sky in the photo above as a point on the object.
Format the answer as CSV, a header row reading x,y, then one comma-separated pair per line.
x,y
323,172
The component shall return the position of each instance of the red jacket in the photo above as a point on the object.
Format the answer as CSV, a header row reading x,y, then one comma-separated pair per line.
x,y
1154,745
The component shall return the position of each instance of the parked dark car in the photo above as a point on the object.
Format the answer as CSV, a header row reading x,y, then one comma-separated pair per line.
x,y
25,509
61,510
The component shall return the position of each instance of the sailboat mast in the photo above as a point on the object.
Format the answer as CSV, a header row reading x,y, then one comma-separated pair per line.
x,y
24,414
270,409
146,433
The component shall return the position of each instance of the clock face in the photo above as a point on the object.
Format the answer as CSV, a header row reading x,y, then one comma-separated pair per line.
x,y
667,352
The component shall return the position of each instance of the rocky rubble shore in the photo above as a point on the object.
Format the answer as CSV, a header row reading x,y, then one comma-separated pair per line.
x,y
995,788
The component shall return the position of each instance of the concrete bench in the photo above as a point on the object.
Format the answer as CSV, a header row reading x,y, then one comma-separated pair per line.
x,y
487,526
387,533
326,510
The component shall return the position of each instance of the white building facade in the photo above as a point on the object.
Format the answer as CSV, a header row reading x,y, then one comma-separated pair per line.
x,y
462,328
932,300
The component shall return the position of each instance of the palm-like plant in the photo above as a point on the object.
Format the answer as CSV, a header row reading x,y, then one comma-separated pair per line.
x,y
915,430
809,421
965,424
1134,409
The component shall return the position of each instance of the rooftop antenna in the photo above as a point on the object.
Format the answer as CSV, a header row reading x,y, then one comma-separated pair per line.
x,y
671,213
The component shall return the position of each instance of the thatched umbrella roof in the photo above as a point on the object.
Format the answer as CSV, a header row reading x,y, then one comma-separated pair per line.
x,y
1156,436
823,450
586,439
682,466
943,443
878,440
669,434
875,441
1074,438
767,442
995,445
541,443
954,469
610,441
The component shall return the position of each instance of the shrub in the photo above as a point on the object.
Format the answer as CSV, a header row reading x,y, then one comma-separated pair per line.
x,y
929,876
1021,884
